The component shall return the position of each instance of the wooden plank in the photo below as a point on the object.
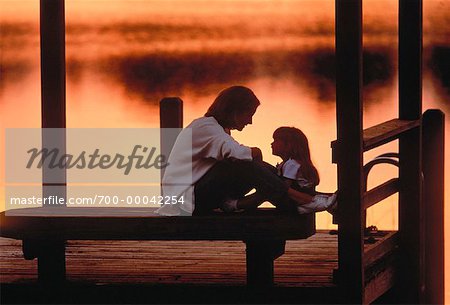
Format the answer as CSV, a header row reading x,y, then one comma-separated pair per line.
x,y
306,263
264,224
385,132
381,134
387,245
380,192
380,284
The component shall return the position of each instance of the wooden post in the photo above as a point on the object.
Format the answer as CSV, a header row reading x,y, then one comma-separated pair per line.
x,y
52,262
260,255
411,225
51,259
350,163
433,171
170,116
53,71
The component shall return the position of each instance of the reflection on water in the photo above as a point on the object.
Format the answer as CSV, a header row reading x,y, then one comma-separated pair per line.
x,y
439,63
123,58
162,74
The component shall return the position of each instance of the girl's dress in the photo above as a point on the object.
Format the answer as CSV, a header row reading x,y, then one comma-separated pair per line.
x,y
291,170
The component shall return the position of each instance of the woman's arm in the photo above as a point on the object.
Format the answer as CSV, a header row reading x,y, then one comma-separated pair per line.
x,y
256,154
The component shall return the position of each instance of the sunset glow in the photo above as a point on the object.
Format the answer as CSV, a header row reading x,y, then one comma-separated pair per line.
x,y
124,56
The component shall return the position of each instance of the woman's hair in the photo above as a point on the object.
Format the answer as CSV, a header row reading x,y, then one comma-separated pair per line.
x,y
230,101
298,149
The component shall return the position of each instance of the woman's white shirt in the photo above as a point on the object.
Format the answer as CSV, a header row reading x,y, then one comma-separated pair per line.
x,y
198,147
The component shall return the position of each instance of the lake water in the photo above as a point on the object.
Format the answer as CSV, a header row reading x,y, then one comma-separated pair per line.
x,y
124,56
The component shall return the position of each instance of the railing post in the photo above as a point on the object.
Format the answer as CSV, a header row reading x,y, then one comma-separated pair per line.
x,y
349,129
411,225
433,171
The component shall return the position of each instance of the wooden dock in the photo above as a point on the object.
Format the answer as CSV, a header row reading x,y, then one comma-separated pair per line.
x,y
175,272
171,272
306,263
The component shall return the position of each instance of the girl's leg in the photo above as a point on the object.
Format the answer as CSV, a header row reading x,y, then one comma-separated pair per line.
x,y
299,197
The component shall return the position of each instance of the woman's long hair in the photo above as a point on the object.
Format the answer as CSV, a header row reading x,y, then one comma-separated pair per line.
x,y
298,149
229,102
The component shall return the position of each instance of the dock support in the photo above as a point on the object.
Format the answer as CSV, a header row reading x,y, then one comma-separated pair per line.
x,y
260,258
350,164
52,263
411,224
51,257
433,171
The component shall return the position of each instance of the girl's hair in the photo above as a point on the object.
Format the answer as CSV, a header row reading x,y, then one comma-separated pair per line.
x,y
230,101
297,144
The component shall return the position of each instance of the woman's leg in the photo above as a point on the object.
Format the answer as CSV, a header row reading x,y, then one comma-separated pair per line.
x,y
217,186
232,179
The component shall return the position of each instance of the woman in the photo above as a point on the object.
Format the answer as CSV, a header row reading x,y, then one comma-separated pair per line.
x,y
208,169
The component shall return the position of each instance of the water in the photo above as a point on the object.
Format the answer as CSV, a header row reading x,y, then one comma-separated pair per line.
x,y
124,56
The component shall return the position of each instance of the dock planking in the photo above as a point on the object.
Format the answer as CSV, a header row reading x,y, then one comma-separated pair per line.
x,y
306,263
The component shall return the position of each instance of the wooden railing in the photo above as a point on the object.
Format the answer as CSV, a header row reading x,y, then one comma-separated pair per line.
x,y
400,261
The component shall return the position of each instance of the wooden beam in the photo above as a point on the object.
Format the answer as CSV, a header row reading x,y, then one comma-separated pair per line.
x,y
385,132
380,192
382,282
411,224
350,164
144,224
381,248
51,263
433,171
380,134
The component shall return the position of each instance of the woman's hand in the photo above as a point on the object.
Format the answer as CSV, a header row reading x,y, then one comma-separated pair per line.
x,y
256,154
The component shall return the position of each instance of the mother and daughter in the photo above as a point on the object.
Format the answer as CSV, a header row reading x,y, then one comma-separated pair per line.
x,y
208,169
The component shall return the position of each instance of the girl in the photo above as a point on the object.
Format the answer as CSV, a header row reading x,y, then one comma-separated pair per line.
x,y
298,171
